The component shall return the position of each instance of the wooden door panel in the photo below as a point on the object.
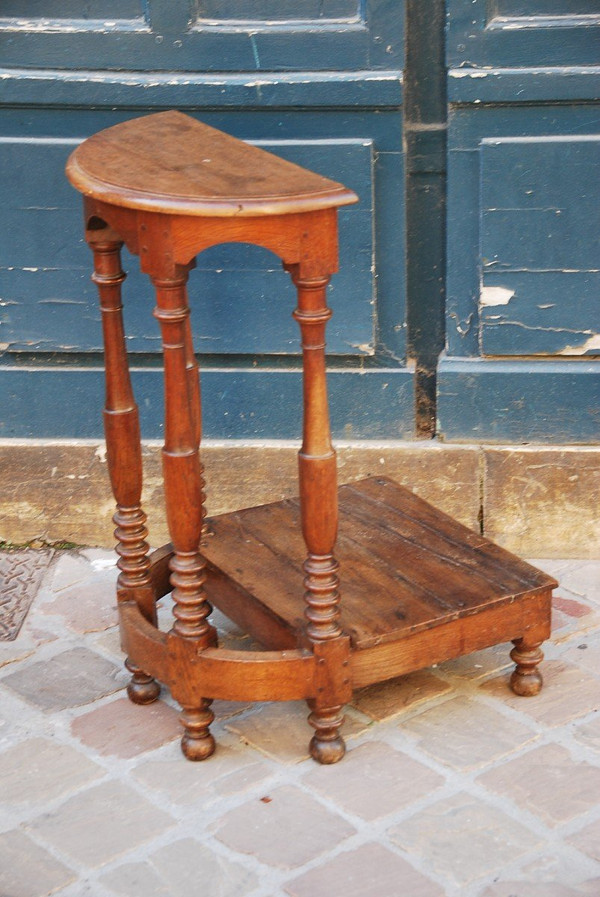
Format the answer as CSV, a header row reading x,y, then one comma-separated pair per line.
x,y
540,246
509,33
180,35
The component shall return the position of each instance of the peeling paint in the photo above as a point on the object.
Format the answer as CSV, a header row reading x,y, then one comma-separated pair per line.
x,y
495,296
100,453
591,344
467,73
367,348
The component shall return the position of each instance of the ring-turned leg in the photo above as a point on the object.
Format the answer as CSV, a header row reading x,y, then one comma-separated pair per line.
x,y
124,453
318,498
526,679
184,496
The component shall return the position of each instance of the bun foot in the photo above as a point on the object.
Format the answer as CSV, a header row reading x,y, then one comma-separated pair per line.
x,y
142,689
327,745
526,679
197,742
327,752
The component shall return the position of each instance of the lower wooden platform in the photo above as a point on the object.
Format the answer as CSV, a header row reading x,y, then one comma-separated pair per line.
x,y
417,588
405,568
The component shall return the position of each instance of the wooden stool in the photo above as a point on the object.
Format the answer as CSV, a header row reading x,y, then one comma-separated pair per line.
x,y
419,588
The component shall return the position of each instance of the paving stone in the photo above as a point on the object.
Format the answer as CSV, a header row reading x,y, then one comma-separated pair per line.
x,y
228,771
181,869
101,823
38,770
462,838
123,729
29,639
281,730
87,607
568,692
368,871
479,663
588,840
547,782
110,641
27,870
70,679
69,569
391,698
585,653
570,607
583,578
560,864
531,889
571,616
285,828
373,780
589,734
464,733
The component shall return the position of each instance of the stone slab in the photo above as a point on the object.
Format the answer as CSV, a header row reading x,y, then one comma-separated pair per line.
x,y
280,730
123,729
387,699
569,692
532,889
537,500
37,770
101,823
462,838
69,679
373,780
68,494
548,782
369,871
230,770
588,840
464,734
181,869
543,502
27,870
284,829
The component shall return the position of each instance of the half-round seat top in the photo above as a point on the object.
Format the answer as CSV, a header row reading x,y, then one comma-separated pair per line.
x,y
171,163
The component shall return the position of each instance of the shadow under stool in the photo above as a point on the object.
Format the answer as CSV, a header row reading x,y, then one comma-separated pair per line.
x,y
418,588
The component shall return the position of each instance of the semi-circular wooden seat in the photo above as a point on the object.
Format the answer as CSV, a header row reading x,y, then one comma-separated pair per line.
x,y
419,587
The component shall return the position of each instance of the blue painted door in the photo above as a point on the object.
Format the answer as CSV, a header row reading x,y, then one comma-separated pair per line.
x,y
522,359
317,82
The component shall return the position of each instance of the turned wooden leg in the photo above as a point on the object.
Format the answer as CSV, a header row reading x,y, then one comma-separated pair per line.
x,y
184,495
197,742
526,679
124,453
318,501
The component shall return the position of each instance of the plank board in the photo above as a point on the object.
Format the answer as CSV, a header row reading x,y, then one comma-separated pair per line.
x,y
405,567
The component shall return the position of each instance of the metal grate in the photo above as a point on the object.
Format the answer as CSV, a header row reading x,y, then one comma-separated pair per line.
x,y
20,576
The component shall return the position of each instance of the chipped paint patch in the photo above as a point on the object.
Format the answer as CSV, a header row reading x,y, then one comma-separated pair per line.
x,y
591,345
495,296
100,453
468,73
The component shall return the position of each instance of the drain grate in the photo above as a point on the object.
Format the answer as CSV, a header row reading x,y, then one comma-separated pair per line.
x,y
20,576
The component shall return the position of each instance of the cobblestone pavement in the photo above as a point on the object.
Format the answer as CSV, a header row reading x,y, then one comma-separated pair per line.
x,y
451,785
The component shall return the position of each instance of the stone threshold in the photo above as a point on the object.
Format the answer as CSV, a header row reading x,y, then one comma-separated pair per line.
x,y
535,500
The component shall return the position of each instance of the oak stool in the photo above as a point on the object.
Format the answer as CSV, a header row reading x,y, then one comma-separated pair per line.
x,y
418,587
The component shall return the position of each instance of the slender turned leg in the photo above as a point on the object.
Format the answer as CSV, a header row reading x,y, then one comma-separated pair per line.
x,y
184,495
318,498
195,406
526,679
124,453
